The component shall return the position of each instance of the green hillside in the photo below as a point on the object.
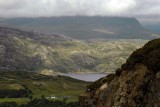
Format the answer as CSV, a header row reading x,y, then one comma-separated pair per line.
x,y
37,85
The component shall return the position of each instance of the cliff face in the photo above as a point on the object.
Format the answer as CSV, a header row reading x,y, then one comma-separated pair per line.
x,y
135,84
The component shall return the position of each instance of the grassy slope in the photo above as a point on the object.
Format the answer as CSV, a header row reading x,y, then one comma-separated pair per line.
x,y
42,85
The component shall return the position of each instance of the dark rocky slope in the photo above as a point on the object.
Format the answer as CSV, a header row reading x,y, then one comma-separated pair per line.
x,y
135,84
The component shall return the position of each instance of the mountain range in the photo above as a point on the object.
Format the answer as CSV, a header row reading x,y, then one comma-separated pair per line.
x,y
50,54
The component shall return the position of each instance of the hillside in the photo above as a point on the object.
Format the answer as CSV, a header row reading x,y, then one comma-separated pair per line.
x,y
135,84
51,54
83,28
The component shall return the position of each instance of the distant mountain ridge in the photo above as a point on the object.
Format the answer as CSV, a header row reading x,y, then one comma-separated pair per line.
x,y
83,27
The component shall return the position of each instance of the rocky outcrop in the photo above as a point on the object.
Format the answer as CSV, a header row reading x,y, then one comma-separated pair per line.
x,y
136,84
85,60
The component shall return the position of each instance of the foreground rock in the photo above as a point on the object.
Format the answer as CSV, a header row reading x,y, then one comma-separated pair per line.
x,y
136,84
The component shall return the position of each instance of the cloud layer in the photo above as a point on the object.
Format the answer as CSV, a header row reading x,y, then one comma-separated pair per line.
x,y
144,10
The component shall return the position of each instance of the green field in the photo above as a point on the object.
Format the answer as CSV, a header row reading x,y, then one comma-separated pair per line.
x,y
41,85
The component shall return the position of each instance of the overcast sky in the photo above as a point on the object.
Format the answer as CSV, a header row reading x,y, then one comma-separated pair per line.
x,y
147,11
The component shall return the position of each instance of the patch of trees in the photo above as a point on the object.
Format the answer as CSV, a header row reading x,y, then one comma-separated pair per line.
x,y
41,103
8,104
47,103
12,93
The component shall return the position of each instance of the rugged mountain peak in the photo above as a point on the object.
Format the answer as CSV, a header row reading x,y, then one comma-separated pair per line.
x,y
136,84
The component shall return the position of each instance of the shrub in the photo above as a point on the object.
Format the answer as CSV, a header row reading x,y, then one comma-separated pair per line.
x,y
8,104
12,93
149,55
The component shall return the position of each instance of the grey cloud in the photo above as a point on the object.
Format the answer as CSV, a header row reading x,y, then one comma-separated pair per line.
x,y
147,11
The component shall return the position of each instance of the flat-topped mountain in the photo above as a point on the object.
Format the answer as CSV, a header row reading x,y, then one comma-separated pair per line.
x,y
83,27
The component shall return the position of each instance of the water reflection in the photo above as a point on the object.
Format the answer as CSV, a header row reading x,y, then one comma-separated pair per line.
x,y
86,77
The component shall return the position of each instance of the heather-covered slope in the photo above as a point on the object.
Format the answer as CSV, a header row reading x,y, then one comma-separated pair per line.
x,y
135,84
49,54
